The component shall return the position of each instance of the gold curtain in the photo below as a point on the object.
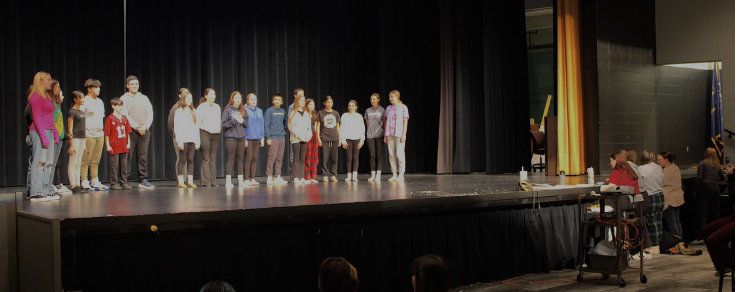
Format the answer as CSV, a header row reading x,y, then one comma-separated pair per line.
x,y
569,95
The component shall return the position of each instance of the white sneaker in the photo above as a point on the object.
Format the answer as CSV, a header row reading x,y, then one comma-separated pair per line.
x,y
280,181
95,183
348,178
400,178
254,182
325,178
315,181
371,178
62,190
393,178
270,181
53,197
297,181
41,198
302,180
86,184
229,184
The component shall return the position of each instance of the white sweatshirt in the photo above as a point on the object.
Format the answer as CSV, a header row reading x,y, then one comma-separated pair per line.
x,y
185,128
300,128
352,127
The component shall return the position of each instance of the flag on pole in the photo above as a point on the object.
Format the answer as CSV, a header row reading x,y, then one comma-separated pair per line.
x,y
716,112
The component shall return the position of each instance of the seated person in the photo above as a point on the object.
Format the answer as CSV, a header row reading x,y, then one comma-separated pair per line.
x,y
431,274
337,275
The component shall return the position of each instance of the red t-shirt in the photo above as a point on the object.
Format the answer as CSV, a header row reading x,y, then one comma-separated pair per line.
x,y
117,131
620,177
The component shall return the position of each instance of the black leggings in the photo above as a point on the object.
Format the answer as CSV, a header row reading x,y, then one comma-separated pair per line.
x,y
298,162
330,154
352,156
185,156
235,154
252,155
376,153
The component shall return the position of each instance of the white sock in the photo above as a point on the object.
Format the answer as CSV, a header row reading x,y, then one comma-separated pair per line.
x,y
190,178
240,179
228,179
180,179
356,174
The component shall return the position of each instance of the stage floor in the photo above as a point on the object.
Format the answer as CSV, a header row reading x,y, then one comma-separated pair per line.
x,y
289,202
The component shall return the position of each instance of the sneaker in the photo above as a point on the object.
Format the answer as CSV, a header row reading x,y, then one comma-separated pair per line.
x,y
302,180
86,184
95,183
191,185
53,197
393,178
697,242
325,179
297,181
145,184
76,190
181,185
280,181
126,186
315,181
253,182
40,198
270,181
116,187
62,190
228,184
334,178
355,178
637,256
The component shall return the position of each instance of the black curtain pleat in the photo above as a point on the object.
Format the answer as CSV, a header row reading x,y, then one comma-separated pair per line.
x,y
491,87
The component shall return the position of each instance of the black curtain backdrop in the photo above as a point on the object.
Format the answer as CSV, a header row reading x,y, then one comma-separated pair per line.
x,y
491,87
346,49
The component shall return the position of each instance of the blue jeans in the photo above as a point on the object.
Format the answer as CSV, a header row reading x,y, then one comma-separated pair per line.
x,y
42,166
29,142
671,218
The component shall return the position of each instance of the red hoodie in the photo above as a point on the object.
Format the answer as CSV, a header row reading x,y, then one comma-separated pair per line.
x,y
620,177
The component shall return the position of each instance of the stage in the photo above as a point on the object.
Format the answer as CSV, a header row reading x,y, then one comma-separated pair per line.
x,y
146,239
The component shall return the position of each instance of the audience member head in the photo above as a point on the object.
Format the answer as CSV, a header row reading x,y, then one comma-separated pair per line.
x,y
711,157
337,275
648,157
666,158
431,273
632,156
217,286
619,160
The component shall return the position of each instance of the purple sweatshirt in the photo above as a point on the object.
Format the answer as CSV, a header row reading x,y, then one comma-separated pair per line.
x,y
42,110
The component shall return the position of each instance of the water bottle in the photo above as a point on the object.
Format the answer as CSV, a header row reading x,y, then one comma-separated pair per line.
x,y
590,176
562,178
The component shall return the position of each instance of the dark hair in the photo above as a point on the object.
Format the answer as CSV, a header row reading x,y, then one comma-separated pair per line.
x,y
298,89
327,97
116,101
89,83
337,275
633,156
668,156
130,78
432,274
205,92
277,95
77,95
217,286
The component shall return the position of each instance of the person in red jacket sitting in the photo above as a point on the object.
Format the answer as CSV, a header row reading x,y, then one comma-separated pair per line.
x,y
622,174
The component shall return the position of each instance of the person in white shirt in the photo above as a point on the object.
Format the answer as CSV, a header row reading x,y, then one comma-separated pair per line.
x,y
137,107
352,139
299,123
652,176
188,138
94,110
208,120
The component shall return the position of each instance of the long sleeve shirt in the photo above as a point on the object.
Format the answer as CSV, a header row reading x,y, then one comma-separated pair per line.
x,y
208,117
255,130
94,109
672,186
170,119
708,173
232,129
352,127
652,177
138,109
185,128
620,177
275,123
300,127
42,110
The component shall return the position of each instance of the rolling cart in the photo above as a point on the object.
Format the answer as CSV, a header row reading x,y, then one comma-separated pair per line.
x,y
614,222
